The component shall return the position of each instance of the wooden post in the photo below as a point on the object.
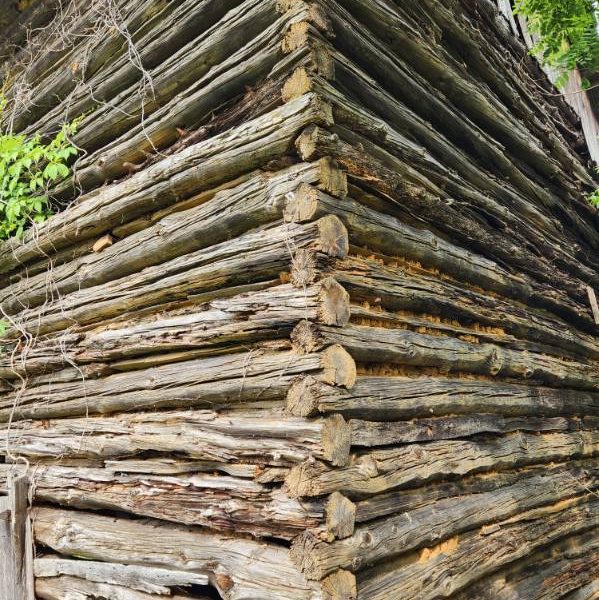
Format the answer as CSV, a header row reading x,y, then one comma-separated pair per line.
x,y
16,552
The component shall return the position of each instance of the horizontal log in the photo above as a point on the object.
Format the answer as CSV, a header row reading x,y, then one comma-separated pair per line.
x,y
220,381
545,575
388,235
218,324
390,21
479,552
65,586
402,347
585,592
168,44
241,569
383,470
525,223
384,539
384,398
386,174
243,436
216,502
227,215
261,57
382,433
405,287
398,75
393,503
198,167
151,580
66,69
257,256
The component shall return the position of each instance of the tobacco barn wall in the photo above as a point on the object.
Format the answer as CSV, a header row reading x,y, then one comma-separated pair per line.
x,y
315,321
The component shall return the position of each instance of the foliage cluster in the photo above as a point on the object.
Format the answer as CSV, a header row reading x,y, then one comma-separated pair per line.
x,y
567,32
27,166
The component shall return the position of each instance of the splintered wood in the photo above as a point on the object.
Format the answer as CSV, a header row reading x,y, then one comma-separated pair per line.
x,y
318,321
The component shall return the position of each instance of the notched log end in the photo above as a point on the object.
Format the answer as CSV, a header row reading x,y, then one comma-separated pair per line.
x,y
333,238
336,440
335,308
339,368
303,268
302,399
295,37
297,85
307,142
306,337
332,179
300,483
304,552
302,205
341,585
340,516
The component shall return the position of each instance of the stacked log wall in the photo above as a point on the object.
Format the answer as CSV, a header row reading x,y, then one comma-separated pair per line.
x,y
314,322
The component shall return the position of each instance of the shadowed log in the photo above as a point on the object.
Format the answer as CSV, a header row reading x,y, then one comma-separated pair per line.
x,y
383,470
479,552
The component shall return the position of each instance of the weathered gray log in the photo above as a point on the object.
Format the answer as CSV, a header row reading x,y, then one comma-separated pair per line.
x,y
262,57
447,354
390,503
367,162
384,398
57,58
198,167
240,436
516,214
256,257
383,470
388,235
545,575
359,85
418,93
383,539
382,433
449,567
229,214
151,580
220,381
389,20
585,592
240,569
400,286
66,586
220,324
157,38
217,502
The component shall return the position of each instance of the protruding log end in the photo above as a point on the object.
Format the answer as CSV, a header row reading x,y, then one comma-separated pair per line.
x,y
295,37
333,238
332,179
306,338
339,368
301,398
335,308
297,85
316,15
336,440
340,585
299,482
307,143
340,516
302,206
